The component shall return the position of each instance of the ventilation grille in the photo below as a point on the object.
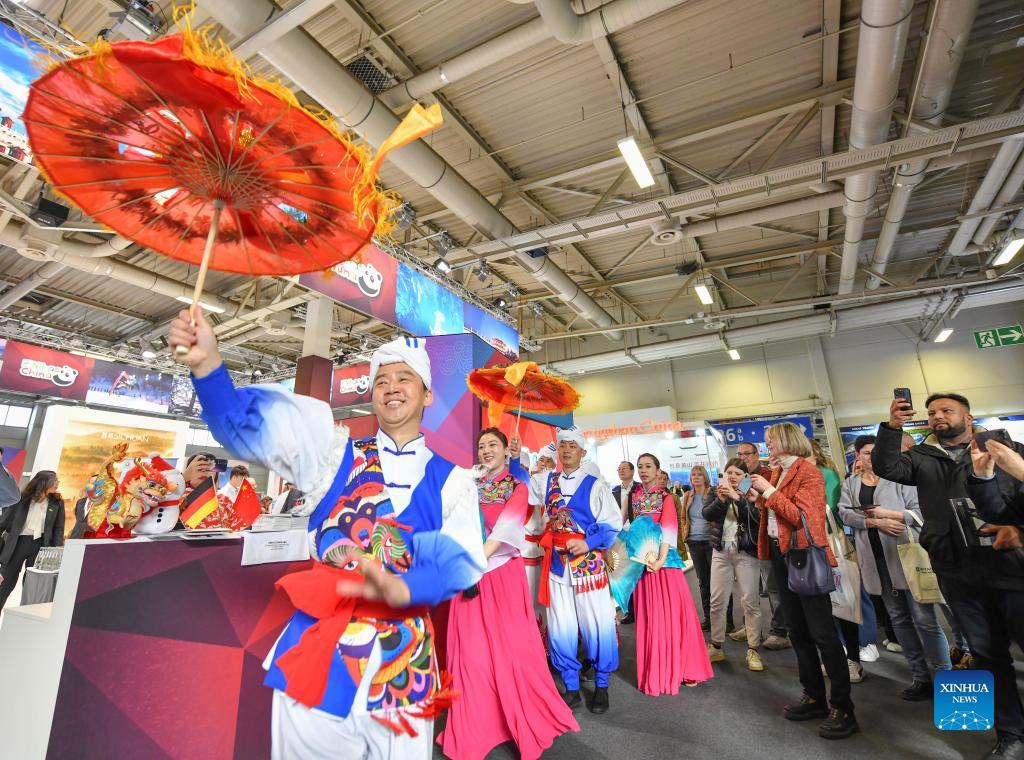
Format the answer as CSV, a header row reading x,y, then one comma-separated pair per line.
x,y
371,74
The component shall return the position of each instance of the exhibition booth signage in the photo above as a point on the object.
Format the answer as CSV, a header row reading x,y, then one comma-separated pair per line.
x,y
382,287
753,431
42,371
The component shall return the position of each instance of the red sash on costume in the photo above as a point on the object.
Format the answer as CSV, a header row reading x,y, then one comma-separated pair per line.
x,y
550,542
315,592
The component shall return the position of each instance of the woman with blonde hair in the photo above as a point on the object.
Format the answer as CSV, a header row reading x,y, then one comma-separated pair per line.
x,y
695,532
792,505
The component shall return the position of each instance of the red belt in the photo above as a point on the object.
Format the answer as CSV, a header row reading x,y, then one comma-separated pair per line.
x,y
307,665
550,542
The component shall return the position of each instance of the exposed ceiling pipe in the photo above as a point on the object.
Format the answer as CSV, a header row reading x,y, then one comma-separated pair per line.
x,y
944,51
1011,187
109,247
310,67
883,37
555,20
763,214
16,292
295,16
853,318
14,236
1001,166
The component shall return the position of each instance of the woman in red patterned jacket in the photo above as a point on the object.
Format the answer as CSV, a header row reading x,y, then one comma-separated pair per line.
x,y
794,496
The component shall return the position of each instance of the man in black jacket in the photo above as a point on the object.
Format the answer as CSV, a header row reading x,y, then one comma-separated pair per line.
x,y
983,586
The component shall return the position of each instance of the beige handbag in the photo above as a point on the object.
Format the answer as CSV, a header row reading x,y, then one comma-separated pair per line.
x,y
846,597
917,568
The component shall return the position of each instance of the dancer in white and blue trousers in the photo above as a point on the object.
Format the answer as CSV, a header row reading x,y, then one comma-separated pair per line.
x,y
581,521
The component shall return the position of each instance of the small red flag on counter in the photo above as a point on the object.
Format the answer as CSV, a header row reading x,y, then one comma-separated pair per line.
x,y
247,504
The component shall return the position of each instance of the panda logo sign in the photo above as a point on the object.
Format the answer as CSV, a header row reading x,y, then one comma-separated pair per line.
x,y
366,277
358,385
62,376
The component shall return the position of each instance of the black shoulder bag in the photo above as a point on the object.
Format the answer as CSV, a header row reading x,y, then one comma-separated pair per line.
x,y
810,572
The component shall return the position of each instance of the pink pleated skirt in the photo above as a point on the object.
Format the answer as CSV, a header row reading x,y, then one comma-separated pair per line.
x,y
496,660
670,646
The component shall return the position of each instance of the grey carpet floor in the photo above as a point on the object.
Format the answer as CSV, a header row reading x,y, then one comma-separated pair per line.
x,y
737,715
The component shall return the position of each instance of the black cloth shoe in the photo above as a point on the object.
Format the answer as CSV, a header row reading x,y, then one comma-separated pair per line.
x,y
805,709
573,698
917,691
1008,748
587,674
628,620
839,725
599,702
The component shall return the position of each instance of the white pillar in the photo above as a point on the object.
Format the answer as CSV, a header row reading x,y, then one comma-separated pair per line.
x,y
319,325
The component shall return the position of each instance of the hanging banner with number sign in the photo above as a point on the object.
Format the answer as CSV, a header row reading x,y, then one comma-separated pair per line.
x,y
752,431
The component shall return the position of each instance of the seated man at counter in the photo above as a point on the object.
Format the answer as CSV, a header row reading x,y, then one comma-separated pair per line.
x,y
394,529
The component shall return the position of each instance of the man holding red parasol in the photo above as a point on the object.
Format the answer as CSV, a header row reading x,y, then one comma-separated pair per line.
x,y
394,529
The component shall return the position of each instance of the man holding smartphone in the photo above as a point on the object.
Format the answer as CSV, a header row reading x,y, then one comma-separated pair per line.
x,y
983,586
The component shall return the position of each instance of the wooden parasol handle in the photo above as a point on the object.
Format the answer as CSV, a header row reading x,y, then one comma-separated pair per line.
x,y
519,417
211,239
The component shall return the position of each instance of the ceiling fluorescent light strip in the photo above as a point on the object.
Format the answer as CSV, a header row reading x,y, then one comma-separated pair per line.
x,y
635,161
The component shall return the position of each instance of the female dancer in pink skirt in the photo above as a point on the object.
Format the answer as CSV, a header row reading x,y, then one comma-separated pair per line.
x,y
670,647
495,654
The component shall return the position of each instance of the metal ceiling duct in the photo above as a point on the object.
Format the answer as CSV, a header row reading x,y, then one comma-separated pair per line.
x,y
789,329
1012,185
65,252
763,214
310,67
1001,167
944,52
16,292
883,37
557,19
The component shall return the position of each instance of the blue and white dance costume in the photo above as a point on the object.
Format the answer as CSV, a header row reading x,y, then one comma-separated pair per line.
x,y
414,511
580,600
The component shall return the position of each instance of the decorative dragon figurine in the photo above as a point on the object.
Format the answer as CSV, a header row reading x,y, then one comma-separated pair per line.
x,y
117,502
141,489
102,490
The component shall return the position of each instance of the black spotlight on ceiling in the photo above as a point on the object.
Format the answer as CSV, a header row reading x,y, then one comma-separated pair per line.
x,y
49,213
482,271
537,308
442,265
501,303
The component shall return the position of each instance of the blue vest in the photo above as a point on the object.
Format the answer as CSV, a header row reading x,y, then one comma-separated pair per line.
x,y
357,512
572,517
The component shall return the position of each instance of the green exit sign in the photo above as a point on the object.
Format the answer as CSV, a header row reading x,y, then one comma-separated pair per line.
x,y
1010,335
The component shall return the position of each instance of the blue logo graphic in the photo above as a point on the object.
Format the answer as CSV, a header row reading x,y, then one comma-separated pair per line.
x,y
964,700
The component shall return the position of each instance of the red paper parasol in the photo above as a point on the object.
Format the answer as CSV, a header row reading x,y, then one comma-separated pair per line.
x,y
521,386
173,145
